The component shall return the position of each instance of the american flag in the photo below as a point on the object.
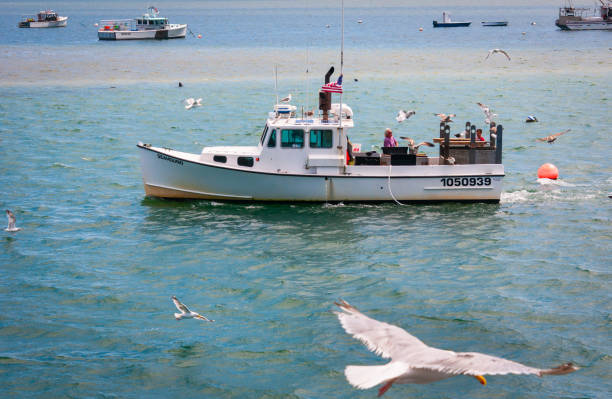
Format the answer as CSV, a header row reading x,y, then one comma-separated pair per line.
x,y
333,87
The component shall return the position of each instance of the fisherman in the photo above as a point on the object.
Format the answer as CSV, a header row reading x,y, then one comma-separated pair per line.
x,y
389,139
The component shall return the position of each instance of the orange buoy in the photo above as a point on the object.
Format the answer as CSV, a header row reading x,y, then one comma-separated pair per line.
x,y
199,36
420,29
548,171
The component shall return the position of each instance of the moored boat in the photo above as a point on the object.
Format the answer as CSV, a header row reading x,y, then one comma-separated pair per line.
x,y
448,23
573,18
494,23
149,26
309,158
44,19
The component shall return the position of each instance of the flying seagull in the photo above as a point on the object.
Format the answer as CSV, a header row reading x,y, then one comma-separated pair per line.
x,y
487,111
286,99
497,50
190,103
403,115
445,118
11,222
185,312
415,148
413,362
551,139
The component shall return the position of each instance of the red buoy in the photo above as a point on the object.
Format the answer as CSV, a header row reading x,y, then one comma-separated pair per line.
x,y
548,171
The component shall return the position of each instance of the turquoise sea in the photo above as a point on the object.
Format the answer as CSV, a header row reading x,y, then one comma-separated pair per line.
x,y
85,287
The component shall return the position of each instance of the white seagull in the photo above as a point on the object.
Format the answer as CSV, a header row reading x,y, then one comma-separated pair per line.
x,y
415,148
11,222
185,312
497,50
487,111
403,115
445,118
190,103
413,362
286,99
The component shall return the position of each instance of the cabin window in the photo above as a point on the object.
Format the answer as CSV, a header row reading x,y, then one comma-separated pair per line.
x,y
245,161
220,158
263,135
292,138
272,139
321,139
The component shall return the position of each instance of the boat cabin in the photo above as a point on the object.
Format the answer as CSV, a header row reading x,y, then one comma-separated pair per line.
x,y
48,15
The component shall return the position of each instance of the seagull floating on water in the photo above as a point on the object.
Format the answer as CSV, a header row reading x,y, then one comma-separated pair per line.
x,y
445,118
185,312
413,362
487,111
497,50
11,222
531,119
286,99
403,115
190,103
551,139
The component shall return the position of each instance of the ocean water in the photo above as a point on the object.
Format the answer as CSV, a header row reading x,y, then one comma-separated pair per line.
x,y
85,287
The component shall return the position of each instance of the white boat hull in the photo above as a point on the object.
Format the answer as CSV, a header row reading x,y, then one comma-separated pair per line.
x,y
586,26
169,174
175,31
60,23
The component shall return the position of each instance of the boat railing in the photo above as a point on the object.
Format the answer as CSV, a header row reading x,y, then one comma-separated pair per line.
x,y
117,24
573,11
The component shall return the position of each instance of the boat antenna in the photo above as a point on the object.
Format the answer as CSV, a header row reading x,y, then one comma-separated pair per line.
x,y
341,60
276,81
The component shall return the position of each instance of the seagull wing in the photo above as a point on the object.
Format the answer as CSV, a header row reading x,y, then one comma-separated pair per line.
x,y
199,316
180,306
560,133
427,143
469,363
384,339
401,116
11,218
504,53
198,101
489,54
543,138
408,139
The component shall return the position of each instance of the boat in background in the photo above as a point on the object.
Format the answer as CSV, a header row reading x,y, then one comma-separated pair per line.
x,y
572,18
494,23
149,26
447,23
44,19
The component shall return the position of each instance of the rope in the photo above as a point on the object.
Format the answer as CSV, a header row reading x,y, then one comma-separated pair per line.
x,y
389,186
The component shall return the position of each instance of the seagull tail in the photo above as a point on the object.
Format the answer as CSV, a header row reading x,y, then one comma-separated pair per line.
x,y
365,377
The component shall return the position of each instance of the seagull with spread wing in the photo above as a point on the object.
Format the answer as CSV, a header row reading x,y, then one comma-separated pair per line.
x,y
445,118
286,99
403,115
487,111
185,312
497,50
413,362
415,148
11,222
551,139
190,103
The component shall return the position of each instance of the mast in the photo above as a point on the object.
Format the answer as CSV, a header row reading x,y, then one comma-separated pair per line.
x,y
341,60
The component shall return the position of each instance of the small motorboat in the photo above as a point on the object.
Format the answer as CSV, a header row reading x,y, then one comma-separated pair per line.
x,y
44,19
494,23
447,23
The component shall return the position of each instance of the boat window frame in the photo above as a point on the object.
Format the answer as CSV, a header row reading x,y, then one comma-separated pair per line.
x,y
292,144
263,135
245,161
331,136
270,138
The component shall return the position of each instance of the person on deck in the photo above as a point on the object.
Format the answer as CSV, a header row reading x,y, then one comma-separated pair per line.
x,y
479,135
390,141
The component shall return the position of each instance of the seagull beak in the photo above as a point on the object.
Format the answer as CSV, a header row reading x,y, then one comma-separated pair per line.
x,y
481,379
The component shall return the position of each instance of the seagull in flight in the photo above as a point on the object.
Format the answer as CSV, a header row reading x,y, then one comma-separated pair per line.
x,y
497,50
551,139
185,312
403,115
414,362
190,103
487,111
11,222
286,99
415,148
445,118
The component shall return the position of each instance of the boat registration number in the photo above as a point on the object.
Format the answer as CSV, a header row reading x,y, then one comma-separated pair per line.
x,y
465,181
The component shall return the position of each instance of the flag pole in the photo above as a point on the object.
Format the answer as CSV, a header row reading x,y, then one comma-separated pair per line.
x,y
341,62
